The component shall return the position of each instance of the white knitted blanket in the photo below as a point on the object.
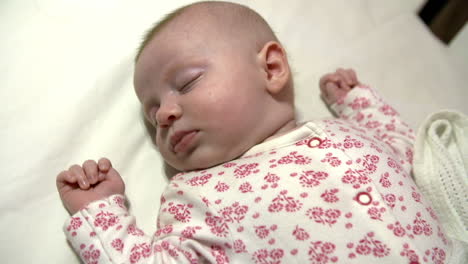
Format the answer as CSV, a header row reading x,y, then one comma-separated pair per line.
x,y
441,172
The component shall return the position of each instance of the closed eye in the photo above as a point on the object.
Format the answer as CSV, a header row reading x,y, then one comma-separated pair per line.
x,y
186,87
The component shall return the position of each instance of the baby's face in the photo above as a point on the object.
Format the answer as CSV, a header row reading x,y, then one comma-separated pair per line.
x,y
205,95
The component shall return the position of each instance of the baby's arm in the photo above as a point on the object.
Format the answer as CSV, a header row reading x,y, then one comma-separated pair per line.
x,y
363,107
101,229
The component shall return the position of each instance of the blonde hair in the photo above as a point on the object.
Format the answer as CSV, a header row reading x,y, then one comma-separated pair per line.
x,y
231,15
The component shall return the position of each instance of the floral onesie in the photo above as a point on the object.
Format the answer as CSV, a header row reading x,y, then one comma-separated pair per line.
x,y
330,191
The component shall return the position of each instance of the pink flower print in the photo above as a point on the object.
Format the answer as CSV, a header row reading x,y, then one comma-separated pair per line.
x,y
393,164
388,110
432,213
140,250
217,225
356,177
369,245
359,117
221,187
271,179
398,230
370,162
235,213
90,255
167,229
285,160
117,244
352,142
245,187
390,199
263,256
287,202
199,180
296,158
376,213
359,103
409,155
135,231
320,252
189,231
229,164
300,234
441,235
438,255
239,246
409,253
416,196
219,254
181,212
326,143
333,161
75,223
119,201
245,170
372,124
300,159
303,142
312,178
390,127
105,220
262,231
329,196
384,181
275,207
326,217
420,226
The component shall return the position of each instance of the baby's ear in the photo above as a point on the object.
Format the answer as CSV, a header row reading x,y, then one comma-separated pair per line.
x,y
274,62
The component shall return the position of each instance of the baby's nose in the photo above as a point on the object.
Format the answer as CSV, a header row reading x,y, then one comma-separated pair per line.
x,y
168,114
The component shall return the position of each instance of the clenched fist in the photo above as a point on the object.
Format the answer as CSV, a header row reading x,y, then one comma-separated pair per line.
x,y
81,185
336,85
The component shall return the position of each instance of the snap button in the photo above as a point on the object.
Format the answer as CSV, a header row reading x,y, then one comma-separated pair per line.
x,y
364,198
314,142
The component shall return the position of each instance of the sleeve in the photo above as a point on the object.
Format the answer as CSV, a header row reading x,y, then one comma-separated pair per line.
x,y
365,109
105,232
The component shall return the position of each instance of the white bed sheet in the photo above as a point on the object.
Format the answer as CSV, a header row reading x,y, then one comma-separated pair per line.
x,y
66,93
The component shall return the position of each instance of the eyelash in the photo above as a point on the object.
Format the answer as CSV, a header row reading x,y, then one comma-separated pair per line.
x,y
185,88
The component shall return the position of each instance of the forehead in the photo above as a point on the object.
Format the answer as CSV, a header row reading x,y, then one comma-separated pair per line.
x,y
167,49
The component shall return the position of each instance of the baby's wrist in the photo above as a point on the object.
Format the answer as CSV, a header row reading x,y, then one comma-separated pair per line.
x,y
114,200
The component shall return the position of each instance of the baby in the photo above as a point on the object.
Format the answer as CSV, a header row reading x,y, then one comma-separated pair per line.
x,y
255,186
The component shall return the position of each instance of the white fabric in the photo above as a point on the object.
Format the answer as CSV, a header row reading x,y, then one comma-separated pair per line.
x,y
441,170
66,93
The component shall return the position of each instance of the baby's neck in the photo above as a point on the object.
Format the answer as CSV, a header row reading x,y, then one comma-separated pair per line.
x,y
287,127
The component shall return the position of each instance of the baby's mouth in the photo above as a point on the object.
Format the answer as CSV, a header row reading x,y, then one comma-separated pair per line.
x,y
181,140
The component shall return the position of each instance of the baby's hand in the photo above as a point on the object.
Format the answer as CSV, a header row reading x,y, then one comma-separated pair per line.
x,y
335,86
81,185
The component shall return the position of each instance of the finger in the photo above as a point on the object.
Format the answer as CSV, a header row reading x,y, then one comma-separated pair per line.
x,y
354,77
332,90
331,77
64,178
323,81
77,171
345,76
344,85
90,168
104,164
